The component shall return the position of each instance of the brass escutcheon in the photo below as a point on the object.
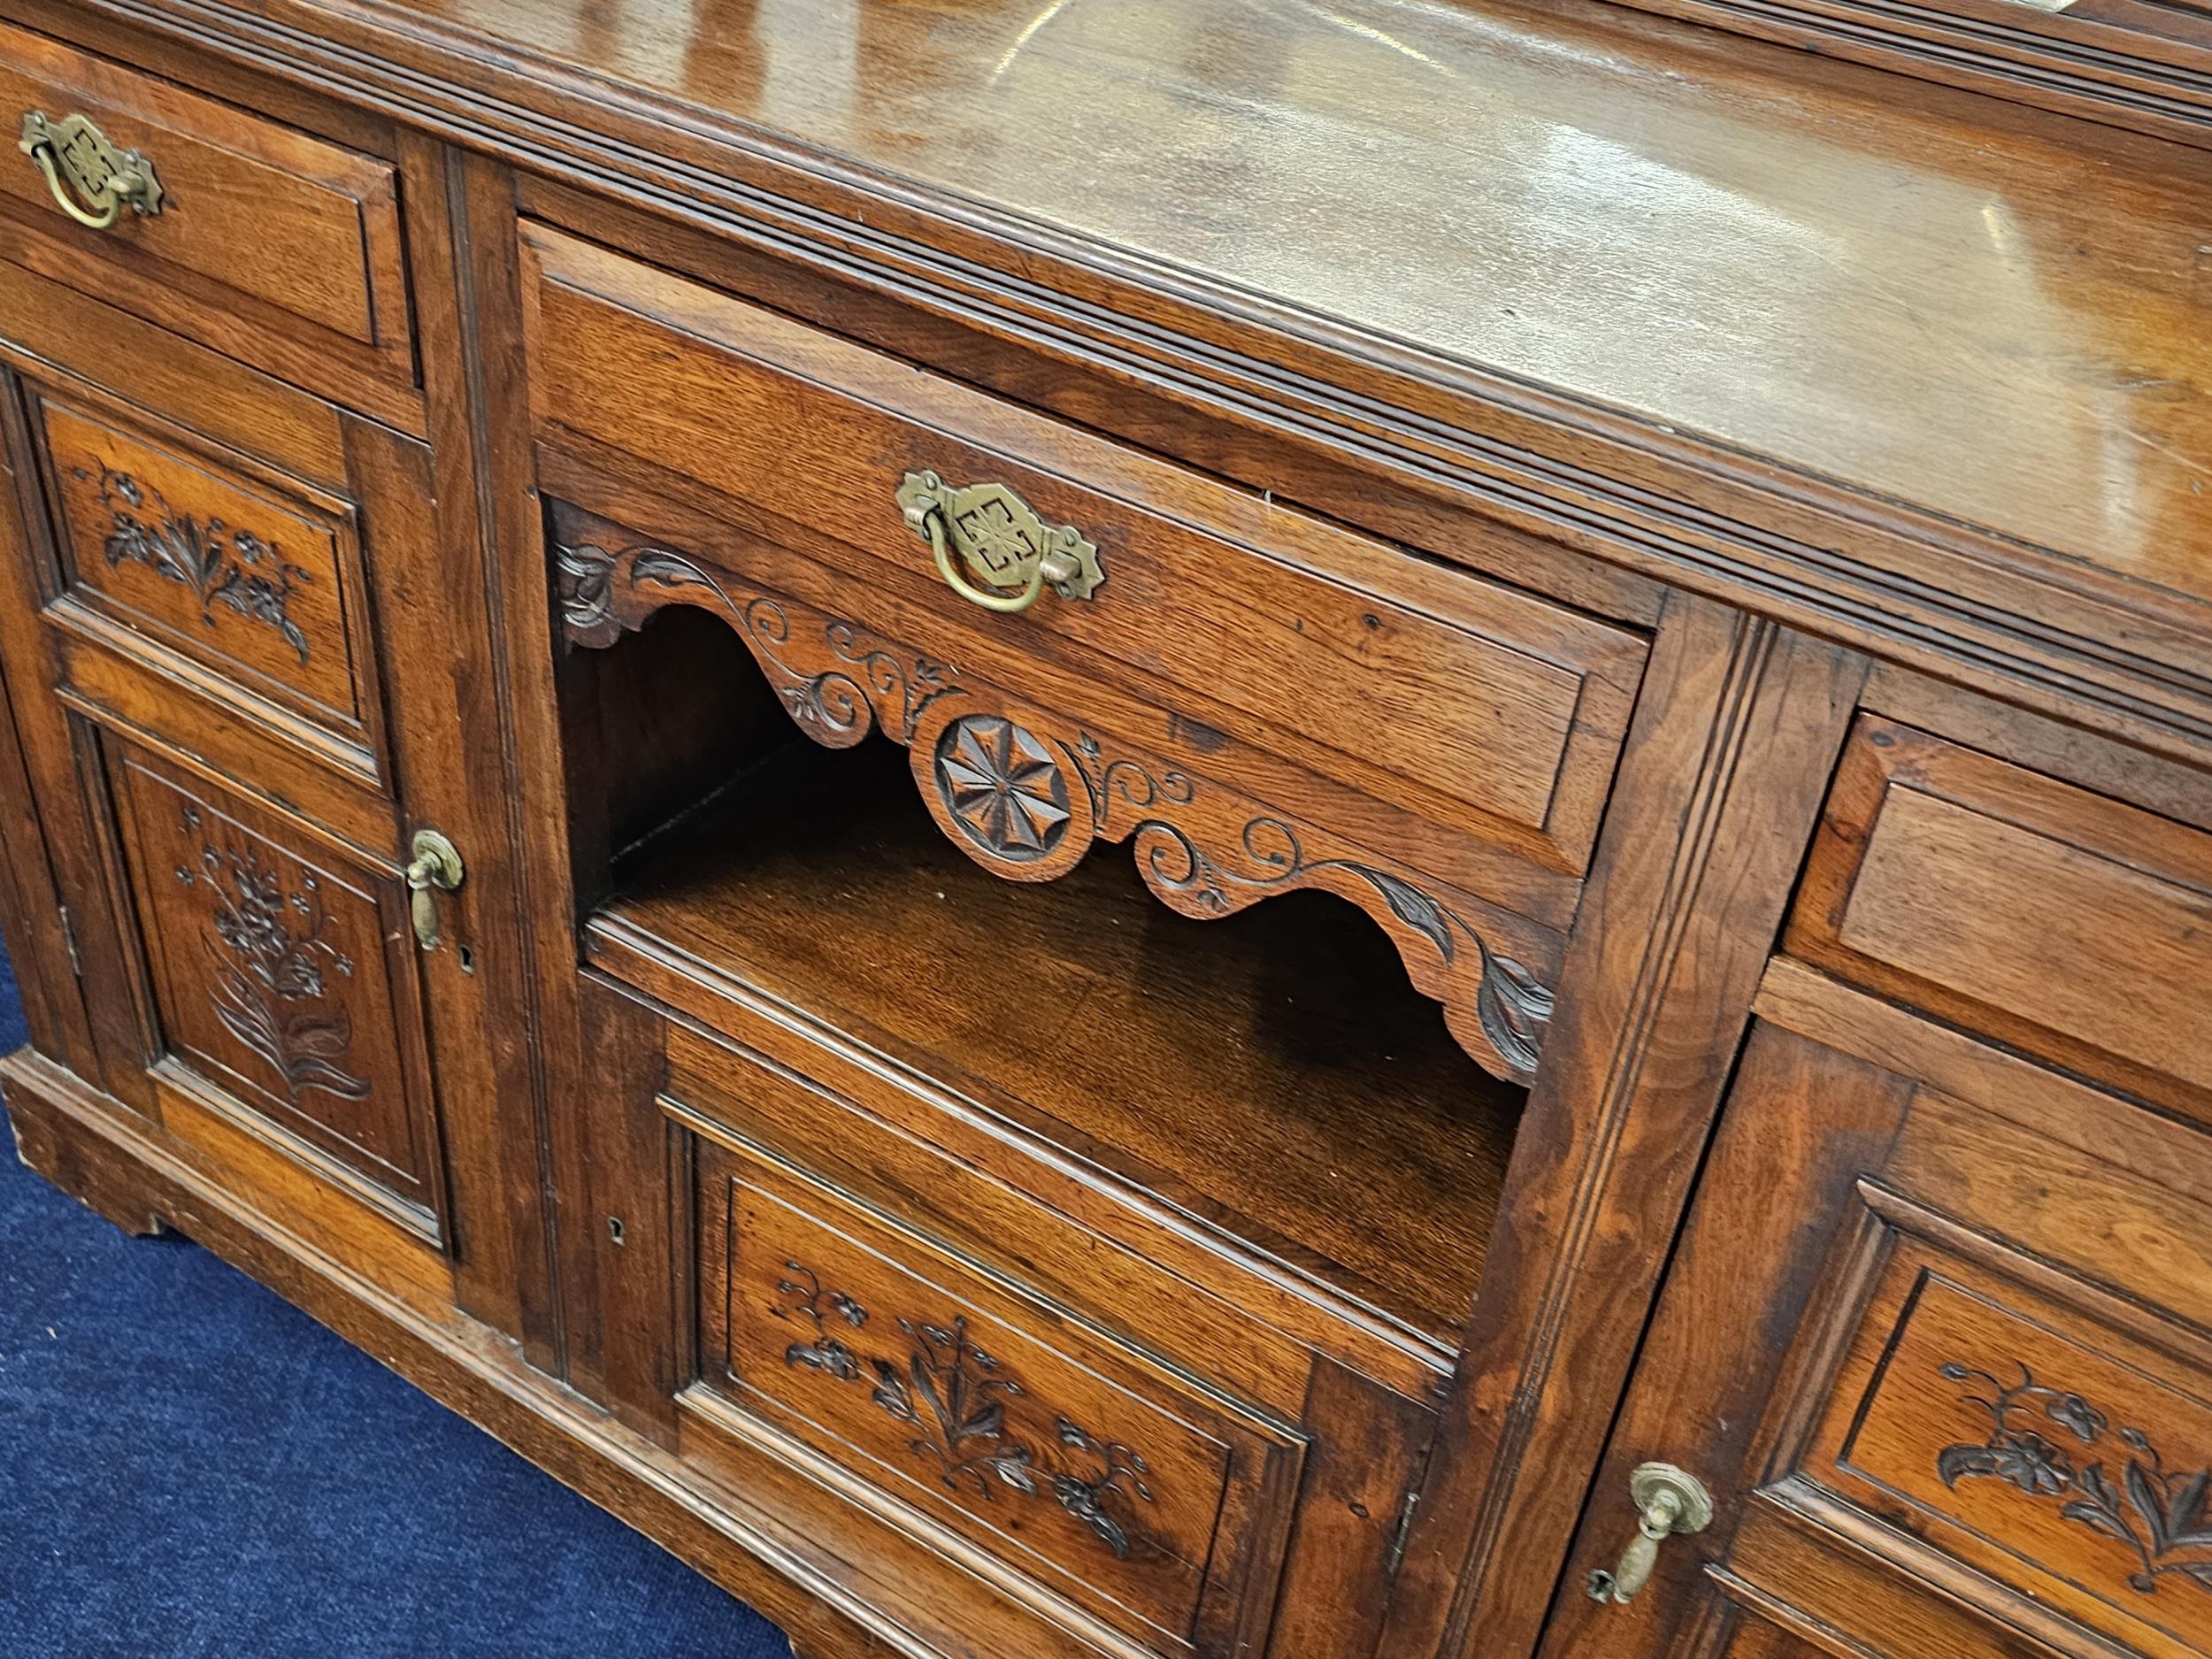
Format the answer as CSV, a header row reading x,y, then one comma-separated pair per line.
x,y
91,179
1011,552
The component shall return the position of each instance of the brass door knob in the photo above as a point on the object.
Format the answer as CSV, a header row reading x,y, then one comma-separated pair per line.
x,y
1667,1502
1011,551
436,868
91,179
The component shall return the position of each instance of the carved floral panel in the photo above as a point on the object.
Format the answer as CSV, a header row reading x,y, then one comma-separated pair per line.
x,y
2032,1438
1042,1441
240,575
275,976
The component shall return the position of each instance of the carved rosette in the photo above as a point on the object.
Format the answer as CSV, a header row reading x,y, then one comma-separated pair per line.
x,y
1003,787
1025,794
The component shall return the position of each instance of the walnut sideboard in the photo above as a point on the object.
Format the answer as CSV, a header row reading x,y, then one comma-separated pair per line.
x,y
1146,828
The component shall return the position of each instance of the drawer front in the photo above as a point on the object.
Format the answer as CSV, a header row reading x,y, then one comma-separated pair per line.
x,y
2067,923
1985,1426
250,573
284,982
216,602
1040,1438
1466,705
267,242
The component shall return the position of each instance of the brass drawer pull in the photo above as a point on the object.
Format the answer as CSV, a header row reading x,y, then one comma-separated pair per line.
x,y
1667,1502
79,161
1000,540
437,867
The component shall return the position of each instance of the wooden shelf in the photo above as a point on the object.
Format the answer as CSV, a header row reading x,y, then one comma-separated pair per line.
x,y
1272,1072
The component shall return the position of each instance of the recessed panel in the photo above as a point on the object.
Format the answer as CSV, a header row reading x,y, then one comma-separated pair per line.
x,y
2072,925
283,977
1067,1456
244,574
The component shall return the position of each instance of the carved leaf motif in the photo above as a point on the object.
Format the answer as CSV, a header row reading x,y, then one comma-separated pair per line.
x,y
2185,1512
1014,1470
1412,907
825,1354
1955,1463
2153,1513
232,570
891,1392
2150,1504
585,582
1514,1008
668,570
2100,1508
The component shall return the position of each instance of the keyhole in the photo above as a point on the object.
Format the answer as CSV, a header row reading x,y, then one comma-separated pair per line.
x,y
614,1228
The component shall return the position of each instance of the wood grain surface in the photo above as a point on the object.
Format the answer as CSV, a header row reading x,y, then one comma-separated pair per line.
x,y
1849,284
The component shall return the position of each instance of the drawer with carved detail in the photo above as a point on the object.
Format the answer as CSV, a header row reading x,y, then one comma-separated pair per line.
x,y
1000,537
1158,1510
264,242
882,1305
1257,700
208,570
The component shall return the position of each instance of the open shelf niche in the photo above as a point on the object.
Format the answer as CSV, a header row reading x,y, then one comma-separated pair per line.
x,y
1272,1073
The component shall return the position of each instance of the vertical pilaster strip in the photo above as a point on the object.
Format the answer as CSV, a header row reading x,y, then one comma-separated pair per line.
x,y
1736,732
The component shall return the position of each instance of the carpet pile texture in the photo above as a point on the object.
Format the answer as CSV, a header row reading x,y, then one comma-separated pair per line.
x,y
191,1467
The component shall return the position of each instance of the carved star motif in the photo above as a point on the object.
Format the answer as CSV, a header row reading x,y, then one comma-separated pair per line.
x,y
1003,786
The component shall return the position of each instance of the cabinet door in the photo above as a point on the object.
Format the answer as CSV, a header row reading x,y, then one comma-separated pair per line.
x,y
1935,1343
249,666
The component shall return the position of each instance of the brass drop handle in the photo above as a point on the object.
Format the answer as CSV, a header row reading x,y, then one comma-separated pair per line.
x,y
79,161
437,867
1667,1501
934,531
1000,540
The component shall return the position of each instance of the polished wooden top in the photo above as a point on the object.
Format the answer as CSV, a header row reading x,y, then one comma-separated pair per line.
x,y
1996,317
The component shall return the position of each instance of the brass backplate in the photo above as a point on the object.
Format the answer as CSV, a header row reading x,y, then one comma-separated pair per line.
x,y
1001,538
94,166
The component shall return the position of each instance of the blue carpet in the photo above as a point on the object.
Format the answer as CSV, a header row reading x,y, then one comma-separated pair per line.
x,y
189,1467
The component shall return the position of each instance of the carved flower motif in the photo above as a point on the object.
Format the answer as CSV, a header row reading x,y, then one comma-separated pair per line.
x,y
269,953
2071,1411
2158,1514
225,567
1003,786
